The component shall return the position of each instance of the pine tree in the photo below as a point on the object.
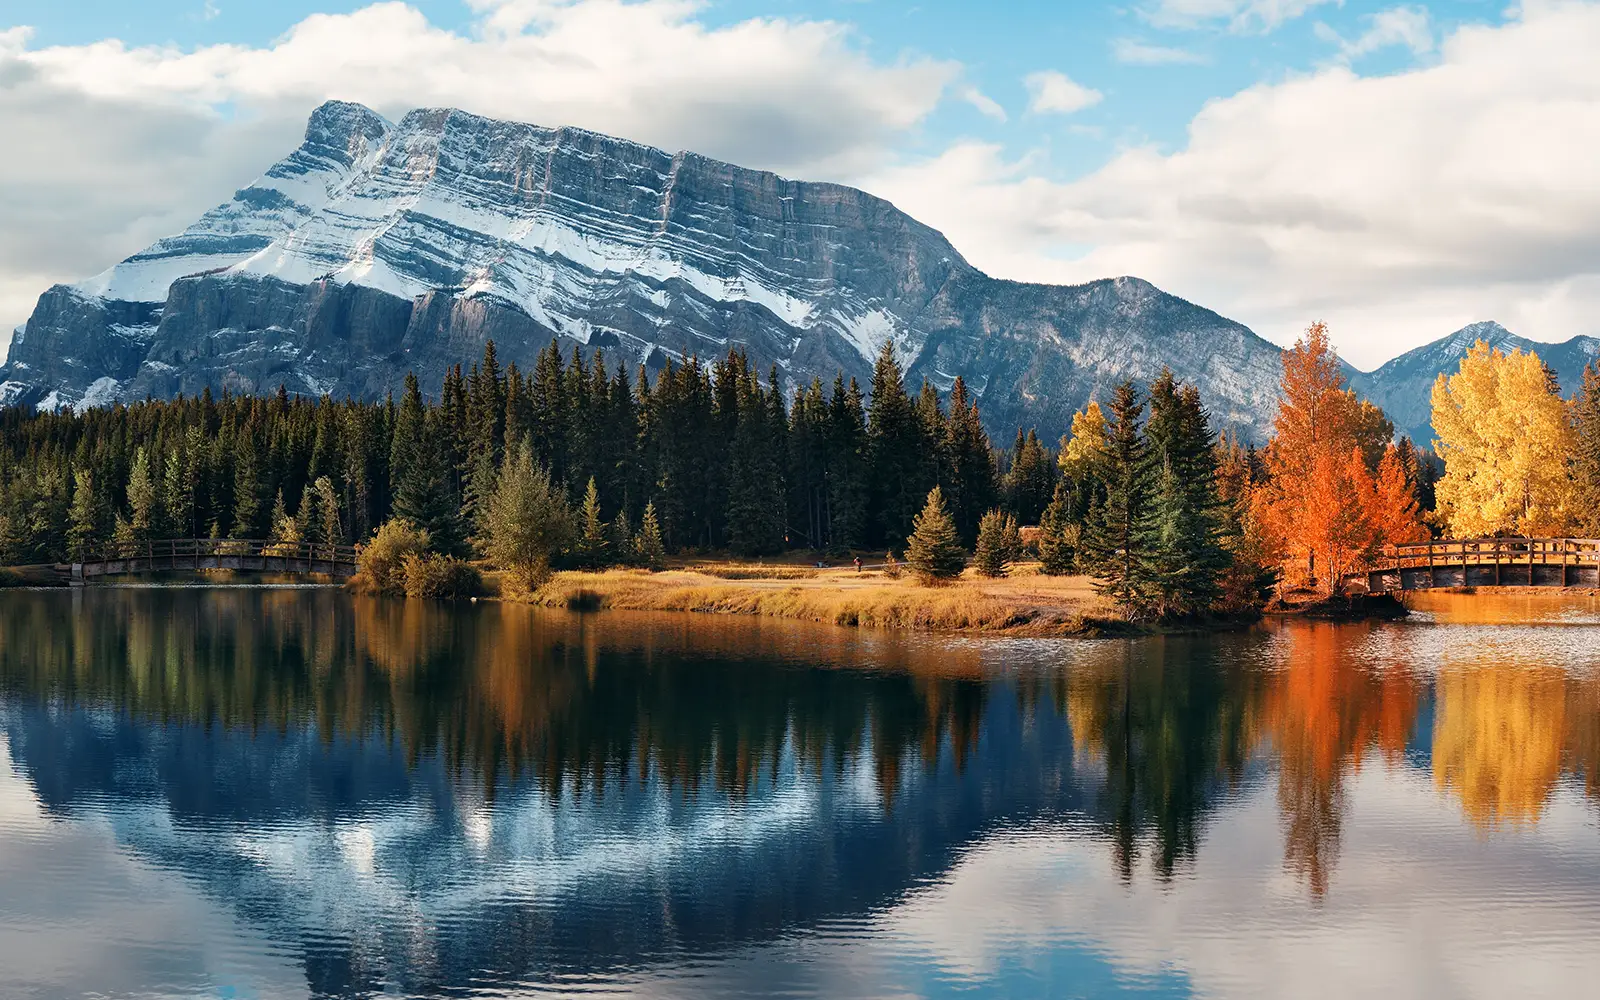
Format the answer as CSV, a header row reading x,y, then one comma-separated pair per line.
x,y
422,491
1058,535
933,549
178,489
142,499
1184,521
993,553
85,519
619,536
1115,539
970,463
652,552
895,469
1030,481
593,544
332,529
1585,463
246,487
847,445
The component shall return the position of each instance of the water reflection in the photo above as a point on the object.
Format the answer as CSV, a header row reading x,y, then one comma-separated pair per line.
x,y
392,796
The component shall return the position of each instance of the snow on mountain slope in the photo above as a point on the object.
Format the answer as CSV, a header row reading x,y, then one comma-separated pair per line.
x,y
377,248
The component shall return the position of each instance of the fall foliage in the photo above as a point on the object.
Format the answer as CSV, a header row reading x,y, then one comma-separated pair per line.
x,y
1506,436
1336,490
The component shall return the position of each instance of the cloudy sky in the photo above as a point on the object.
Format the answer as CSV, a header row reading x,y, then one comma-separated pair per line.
x,y
1396,170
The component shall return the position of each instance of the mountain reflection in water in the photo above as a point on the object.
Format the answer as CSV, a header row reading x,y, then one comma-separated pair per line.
x,y
348,797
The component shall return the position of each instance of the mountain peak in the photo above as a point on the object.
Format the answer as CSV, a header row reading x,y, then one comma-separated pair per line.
x,y
377,248
1488,331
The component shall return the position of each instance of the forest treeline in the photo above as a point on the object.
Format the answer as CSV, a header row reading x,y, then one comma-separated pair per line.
x,y
726,462
580,464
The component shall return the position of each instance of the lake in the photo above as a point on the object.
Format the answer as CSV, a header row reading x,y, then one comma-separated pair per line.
x,y
241,793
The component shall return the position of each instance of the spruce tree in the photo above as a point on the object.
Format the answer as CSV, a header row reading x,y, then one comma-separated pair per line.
x,y
144,509
993,553
895,469
1585,463
1058,535
247,500
85,519
933,549
969,463
1183,523
846,473
332,527
651,551
1116,537
177,494
593,544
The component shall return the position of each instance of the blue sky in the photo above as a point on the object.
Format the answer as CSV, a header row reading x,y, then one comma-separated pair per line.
x,y
1398,169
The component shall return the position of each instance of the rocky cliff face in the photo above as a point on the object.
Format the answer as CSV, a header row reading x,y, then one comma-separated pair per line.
x,y
378,248
1404,386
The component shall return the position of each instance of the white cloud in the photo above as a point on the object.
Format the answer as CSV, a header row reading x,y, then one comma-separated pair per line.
x,y
1052,92
126,144
1398,208
1240,15
1410,27
1132,52
985,104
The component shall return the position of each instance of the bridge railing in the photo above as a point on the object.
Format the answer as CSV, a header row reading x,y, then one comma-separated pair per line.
x,y
179,551
1491,552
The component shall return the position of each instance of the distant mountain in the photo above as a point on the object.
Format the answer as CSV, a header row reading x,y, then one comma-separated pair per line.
x,y
377,248
1404,386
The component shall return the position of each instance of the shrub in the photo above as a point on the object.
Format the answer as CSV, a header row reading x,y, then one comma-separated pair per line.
x,y
380,563
439,578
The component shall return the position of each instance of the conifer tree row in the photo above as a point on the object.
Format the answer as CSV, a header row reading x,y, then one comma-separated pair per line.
x,y
725,459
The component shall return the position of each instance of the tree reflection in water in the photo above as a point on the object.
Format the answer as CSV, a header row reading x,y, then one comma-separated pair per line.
x,y
1163,731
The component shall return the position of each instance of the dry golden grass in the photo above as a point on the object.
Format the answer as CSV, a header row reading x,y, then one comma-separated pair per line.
x,y
1025,604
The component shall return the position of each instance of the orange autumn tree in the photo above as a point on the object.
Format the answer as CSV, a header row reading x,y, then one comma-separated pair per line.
x,y
1336,490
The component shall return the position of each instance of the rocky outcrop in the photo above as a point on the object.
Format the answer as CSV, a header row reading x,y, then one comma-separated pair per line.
x,y
378,248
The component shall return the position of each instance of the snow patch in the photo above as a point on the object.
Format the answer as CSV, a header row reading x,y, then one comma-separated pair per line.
x,y
10,392
868,332
51,402
148,280
102,391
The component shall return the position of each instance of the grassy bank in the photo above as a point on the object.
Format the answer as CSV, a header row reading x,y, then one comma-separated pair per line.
x,y
1024,604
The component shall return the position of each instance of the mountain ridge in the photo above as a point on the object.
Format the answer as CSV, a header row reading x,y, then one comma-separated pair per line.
x,y
378,247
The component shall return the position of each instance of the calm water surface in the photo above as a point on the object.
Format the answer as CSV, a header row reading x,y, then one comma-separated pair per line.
x,y
288,793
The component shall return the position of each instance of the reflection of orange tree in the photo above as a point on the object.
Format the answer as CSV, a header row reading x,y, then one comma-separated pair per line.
x,y
1325,710
1498,739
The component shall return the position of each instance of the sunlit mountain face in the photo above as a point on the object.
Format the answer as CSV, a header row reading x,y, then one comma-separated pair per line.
x,y
315,796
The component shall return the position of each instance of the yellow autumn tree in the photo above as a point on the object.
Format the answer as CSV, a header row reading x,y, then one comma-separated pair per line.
x,y
1083,453
1504,433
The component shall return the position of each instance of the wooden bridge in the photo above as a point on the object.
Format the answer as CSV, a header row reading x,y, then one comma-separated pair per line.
x,y
170,555
1484,562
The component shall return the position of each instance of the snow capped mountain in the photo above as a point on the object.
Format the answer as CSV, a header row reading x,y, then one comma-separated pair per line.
x,y
378,248
1404,386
